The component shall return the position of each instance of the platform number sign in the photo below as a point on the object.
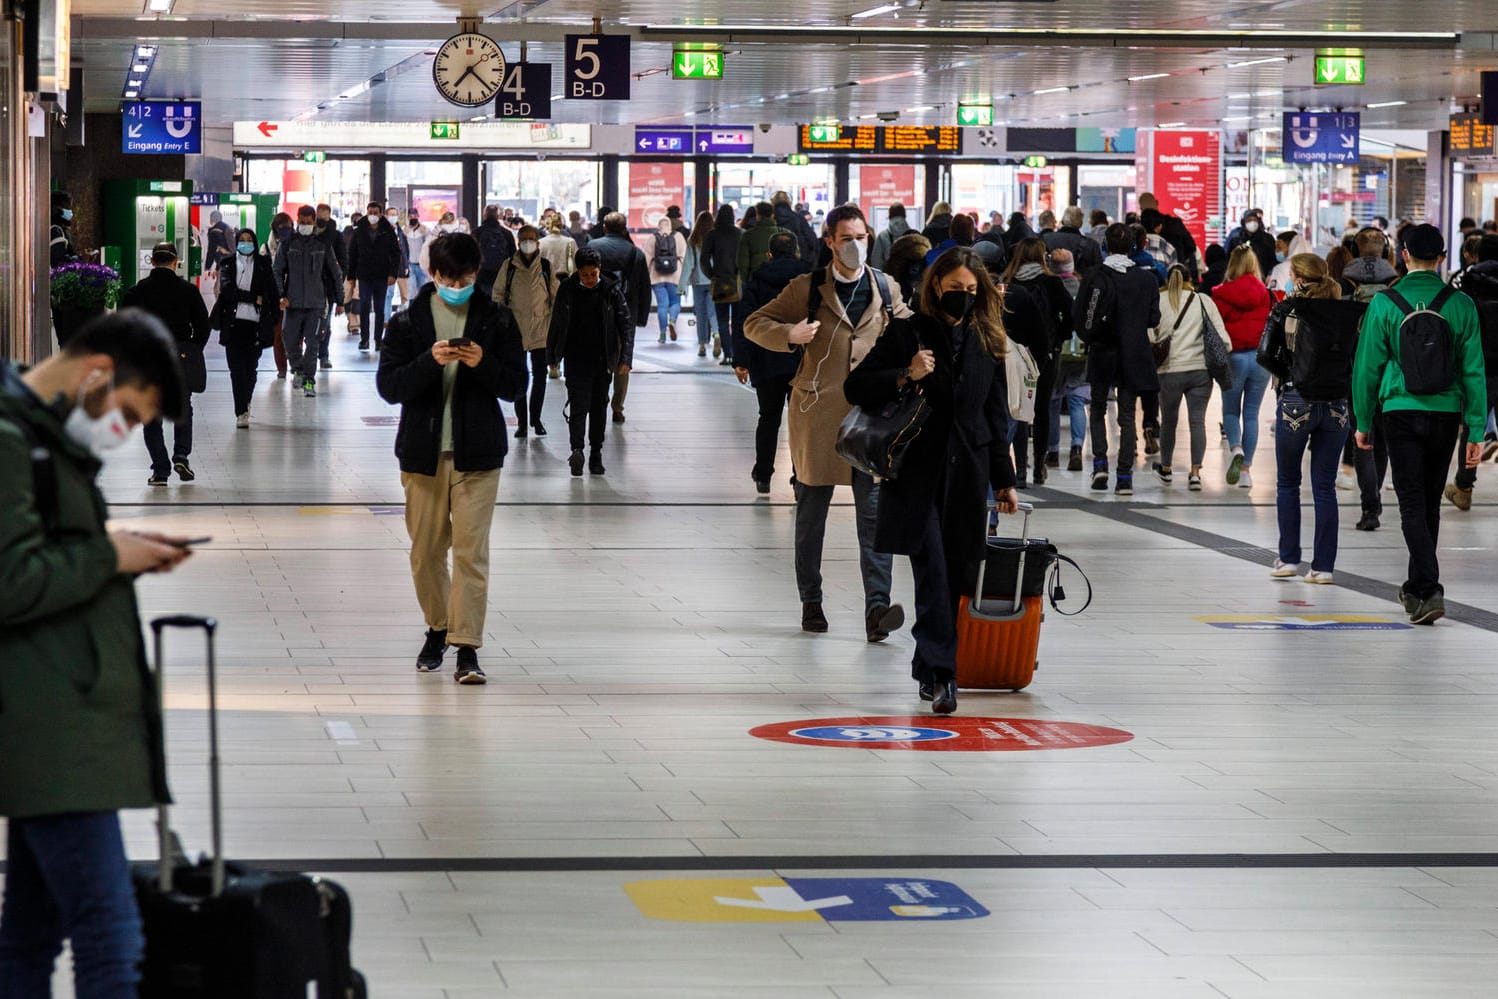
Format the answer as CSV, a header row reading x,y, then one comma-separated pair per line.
x,y
597,67
526,94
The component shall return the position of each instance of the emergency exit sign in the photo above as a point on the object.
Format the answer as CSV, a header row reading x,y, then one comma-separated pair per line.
x,y
444,130
314,156
690,65
975,114
824,133
1341,66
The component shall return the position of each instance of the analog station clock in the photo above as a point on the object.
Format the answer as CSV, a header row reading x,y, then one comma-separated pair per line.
x,y
469,69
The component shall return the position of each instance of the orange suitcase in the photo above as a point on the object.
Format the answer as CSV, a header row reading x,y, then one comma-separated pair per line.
x,y
997,643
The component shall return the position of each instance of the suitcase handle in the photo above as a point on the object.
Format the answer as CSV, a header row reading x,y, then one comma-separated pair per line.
x,y
167,866
1024,546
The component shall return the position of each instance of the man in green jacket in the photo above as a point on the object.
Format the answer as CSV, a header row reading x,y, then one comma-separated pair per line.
x,y
80,722
1421,430
754,248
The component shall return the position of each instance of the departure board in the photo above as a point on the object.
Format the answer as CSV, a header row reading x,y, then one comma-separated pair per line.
x,y
888,139
1471,138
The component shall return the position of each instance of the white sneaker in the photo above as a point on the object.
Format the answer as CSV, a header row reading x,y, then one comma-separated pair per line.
x,y
242,421
1245,480
1346,481
1323,578
1283,570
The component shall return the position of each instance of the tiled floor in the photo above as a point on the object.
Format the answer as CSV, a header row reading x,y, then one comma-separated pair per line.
x,y
642,623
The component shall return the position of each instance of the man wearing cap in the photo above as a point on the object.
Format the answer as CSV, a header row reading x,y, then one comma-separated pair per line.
x,y
179,306
1421,429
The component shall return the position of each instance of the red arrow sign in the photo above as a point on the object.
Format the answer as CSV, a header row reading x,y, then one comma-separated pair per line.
x,y
266,128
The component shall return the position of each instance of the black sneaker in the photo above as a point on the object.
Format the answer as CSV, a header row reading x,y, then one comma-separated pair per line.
x,y
576,463
1039,475
1099,476
429,659
1053,459
468,671
618,416
595,462
812,619
1074,462
1151,440
761,486
1125,485
156,480
883,620
184,470
1428,611
363,346
540,431
1369,522
520,433
326,364
1163,474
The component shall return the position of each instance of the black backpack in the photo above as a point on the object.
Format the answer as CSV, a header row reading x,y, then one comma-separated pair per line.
x,y
1426,344
1096,308
665,260
1321,362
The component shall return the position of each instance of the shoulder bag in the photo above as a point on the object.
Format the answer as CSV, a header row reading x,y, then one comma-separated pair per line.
x,y
876,440
1161,348
1215,349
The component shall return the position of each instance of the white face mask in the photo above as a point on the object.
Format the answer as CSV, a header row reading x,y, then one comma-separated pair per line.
x,y
852,254
1251,226
100,434
528,246
305,230
373,218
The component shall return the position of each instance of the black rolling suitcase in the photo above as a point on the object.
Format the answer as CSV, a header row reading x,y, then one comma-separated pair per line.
x,y
216,930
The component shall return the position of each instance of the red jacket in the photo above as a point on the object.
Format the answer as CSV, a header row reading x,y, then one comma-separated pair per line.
x,y
1245,305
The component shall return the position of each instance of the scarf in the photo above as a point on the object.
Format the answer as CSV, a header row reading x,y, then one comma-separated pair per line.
x,y
1029,272
1118,262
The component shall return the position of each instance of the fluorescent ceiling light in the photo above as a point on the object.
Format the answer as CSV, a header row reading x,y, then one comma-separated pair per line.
x,y
1387,104
1148,76
145,51
1052,90
1172,124
159,6
1256,62
137,83
1239,117
1239,97
883,8
141,67
923,107
132,94
866,117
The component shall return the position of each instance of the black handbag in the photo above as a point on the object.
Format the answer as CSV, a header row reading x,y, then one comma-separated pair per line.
x,y
726,290
875,441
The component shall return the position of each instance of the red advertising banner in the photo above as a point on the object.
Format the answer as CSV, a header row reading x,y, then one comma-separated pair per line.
x,y
1184,171
653,187
882,186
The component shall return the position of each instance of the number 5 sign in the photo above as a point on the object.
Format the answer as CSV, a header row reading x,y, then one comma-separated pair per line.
x,y
598,67
525,94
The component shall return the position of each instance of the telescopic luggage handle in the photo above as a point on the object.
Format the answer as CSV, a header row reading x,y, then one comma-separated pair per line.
x,y
1024,547
169,853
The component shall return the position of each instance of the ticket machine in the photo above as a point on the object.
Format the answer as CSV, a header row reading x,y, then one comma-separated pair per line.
x,y
138,214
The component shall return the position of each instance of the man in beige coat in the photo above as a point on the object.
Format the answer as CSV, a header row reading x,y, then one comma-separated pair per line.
x,y
856,304
527,286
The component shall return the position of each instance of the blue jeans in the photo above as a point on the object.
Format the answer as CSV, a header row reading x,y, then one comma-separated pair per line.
x,y
418,278
667,304
68,879
1322,427
1073,391
706,312
1240,403
812,503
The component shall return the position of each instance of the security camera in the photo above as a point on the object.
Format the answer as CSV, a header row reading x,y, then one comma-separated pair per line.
x,y
889,116
764,126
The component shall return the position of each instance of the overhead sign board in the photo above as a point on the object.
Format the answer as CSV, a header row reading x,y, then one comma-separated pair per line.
x,y
687,64
975,115
1341,66
707,140
1471,139
162,127
724,139
1322,138
597,67
526,93
675,141
883,139
446,130
388,135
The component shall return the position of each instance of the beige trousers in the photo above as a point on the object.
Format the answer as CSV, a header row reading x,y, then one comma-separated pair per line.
x,y
451,511
621,390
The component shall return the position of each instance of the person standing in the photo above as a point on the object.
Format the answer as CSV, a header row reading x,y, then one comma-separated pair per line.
x,y
832,316
1422,427
593,334
1183,374
1480,283
770,372
61,249
527,286
245,315
80,732
375,262
496,244
308,276
694,277
1244,302
720,262
448,362
953,350
668,253
180,307
623,260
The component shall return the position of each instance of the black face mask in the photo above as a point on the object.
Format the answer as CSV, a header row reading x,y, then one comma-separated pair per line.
x,y
958,305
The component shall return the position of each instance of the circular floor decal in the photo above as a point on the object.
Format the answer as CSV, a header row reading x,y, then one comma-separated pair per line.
x,y
930,733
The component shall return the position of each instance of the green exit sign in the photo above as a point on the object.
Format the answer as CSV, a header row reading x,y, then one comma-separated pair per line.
x,y
1036,162
824,133
444,130
688,65
314,156
975,114
798,159
1344,66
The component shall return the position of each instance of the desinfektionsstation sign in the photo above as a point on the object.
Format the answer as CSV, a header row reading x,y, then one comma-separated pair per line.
x,y
384,135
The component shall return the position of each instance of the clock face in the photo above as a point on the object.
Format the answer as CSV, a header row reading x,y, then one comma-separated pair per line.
x,y
469,69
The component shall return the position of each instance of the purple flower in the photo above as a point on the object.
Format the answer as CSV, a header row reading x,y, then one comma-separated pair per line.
x,y
85,286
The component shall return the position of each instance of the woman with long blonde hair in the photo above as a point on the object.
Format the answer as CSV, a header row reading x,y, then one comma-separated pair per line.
x,y
1183,374
952,352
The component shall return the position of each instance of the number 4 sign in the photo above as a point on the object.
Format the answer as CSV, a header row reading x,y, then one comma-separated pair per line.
x,y
526,93
598,67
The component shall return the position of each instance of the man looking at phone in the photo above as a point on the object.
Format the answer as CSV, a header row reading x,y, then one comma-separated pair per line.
x,y
80,731
447,361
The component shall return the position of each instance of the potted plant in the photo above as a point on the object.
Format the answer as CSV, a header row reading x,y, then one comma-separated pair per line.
x,y
80,292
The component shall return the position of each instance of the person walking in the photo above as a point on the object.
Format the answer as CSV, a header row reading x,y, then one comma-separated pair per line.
x,y
80,733
625,263
558,249
308,276
402,279
668,254
527,286
695,277
497,245
938,228
833,317
1426,407
1308,345
375,263
769,372
1048,327
1244,302
449,360
245,314
1085,252
282,228
179,306
417,235
593,335
1184,316
897,227
933,512
1480,283
327,231
794,220
720,262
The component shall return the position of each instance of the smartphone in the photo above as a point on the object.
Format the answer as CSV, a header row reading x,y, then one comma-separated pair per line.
x,y
460,341
191,542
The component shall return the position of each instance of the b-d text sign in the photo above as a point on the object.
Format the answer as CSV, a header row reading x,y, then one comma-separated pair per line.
x,y
597,67
525,94
173,127
1322,138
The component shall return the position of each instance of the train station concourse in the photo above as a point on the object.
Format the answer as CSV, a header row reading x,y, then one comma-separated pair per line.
x,y
941,498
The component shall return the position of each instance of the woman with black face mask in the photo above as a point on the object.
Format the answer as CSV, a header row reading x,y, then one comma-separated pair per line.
x,y
952,351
